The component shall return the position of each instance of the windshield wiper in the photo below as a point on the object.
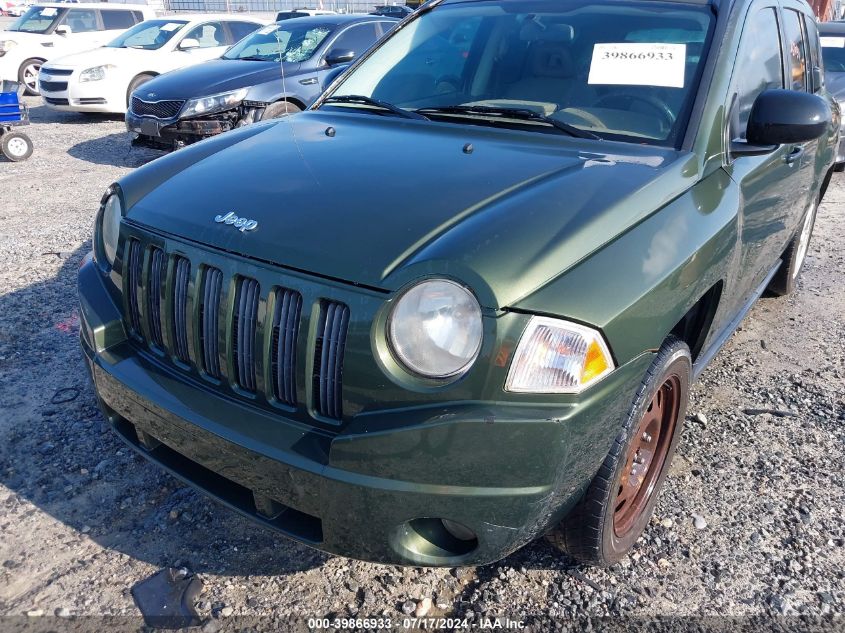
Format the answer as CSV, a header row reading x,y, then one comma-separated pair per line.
x,y
378,103
519,114
253,58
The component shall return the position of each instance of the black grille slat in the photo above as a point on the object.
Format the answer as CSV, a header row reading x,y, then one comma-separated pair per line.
x,y
246,313
283,355
133,282
209,318
180,307
157,270
331,341
156,109
53,86
58,72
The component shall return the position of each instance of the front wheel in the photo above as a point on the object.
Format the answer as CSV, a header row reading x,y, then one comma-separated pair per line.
x,y
615,510
28,75
279,109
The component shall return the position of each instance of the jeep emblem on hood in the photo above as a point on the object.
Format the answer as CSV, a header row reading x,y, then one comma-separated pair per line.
x,y
242,224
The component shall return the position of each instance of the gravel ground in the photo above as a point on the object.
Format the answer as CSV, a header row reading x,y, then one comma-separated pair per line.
x,y
749,523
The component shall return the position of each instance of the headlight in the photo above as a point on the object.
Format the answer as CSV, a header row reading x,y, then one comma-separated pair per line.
x,y
109,230
213,103
97,73
555,356
6,46
435,329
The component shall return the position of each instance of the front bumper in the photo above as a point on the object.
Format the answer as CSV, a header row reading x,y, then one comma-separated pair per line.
x,y
62,90
371,490
174,133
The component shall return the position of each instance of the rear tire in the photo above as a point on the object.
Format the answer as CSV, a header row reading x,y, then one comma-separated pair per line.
x,y
28,75
608,520
786,278
135,84
279,109
16,146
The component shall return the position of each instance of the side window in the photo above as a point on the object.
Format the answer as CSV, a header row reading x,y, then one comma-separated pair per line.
x,y
357,38
759,65
209,35
796,50
82,20
117,20
139,17
814,45
240,30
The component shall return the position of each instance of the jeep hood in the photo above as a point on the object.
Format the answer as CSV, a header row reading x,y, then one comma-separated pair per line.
x,y
379,201
215,76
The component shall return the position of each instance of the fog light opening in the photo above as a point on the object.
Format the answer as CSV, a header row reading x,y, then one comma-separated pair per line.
x,y
440,538
459,531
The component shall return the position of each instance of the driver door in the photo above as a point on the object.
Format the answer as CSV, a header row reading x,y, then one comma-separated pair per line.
x,y
213,41
772,186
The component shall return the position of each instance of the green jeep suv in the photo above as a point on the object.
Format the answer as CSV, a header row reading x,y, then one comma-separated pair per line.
x,y
458,304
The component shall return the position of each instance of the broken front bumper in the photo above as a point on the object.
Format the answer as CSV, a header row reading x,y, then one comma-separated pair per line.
x,y
340,491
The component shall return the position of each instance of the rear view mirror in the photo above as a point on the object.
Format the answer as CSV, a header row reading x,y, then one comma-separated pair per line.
x,y
63,29
783,117
189,43
339,56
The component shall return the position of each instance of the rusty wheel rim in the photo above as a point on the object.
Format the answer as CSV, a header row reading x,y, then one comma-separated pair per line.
x,y
646,456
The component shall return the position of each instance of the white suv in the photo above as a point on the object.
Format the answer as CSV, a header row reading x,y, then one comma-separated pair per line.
x,y
46,31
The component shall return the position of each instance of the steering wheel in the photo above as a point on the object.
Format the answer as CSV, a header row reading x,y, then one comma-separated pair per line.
x,y
660,106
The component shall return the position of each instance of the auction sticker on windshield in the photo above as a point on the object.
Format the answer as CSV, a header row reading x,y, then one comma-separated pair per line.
x,y
640,64
833,42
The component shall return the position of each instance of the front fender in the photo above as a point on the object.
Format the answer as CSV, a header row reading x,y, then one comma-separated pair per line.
x,y
638,287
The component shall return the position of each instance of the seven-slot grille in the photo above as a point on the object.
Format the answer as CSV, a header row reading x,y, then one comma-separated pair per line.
x,y
188,318
156,109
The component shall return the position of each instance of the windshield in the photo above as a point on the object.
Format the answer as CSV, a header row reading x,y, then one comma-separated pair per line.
x,y
37,20
290,43
150,35
614,69
833,52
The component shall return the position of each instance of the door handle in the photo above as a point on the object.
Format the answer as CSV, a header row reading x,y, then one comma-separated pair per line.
x,y
794,155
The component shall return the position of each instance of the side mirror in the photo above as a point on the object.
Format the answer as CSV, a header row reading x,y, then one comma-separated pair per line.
x,y
188,44
785,116
63,29
782,117
339,56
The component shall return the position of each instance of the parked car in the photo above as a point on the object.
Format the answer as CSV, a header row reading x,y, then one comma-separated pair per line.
x,y
398,11
833,52
278,70
47,31
101,80
301,13
438,315
15,8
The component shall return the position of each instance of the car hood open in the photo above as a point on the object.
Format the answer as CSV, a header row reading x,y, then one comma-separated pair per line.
x,y
379,201
216,76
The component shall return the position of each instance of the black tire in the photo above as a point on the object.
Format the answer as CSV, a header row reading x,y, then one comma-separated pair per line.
x,y
839,167
135,84
590,532
279,109
786,278
24,75
16,146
